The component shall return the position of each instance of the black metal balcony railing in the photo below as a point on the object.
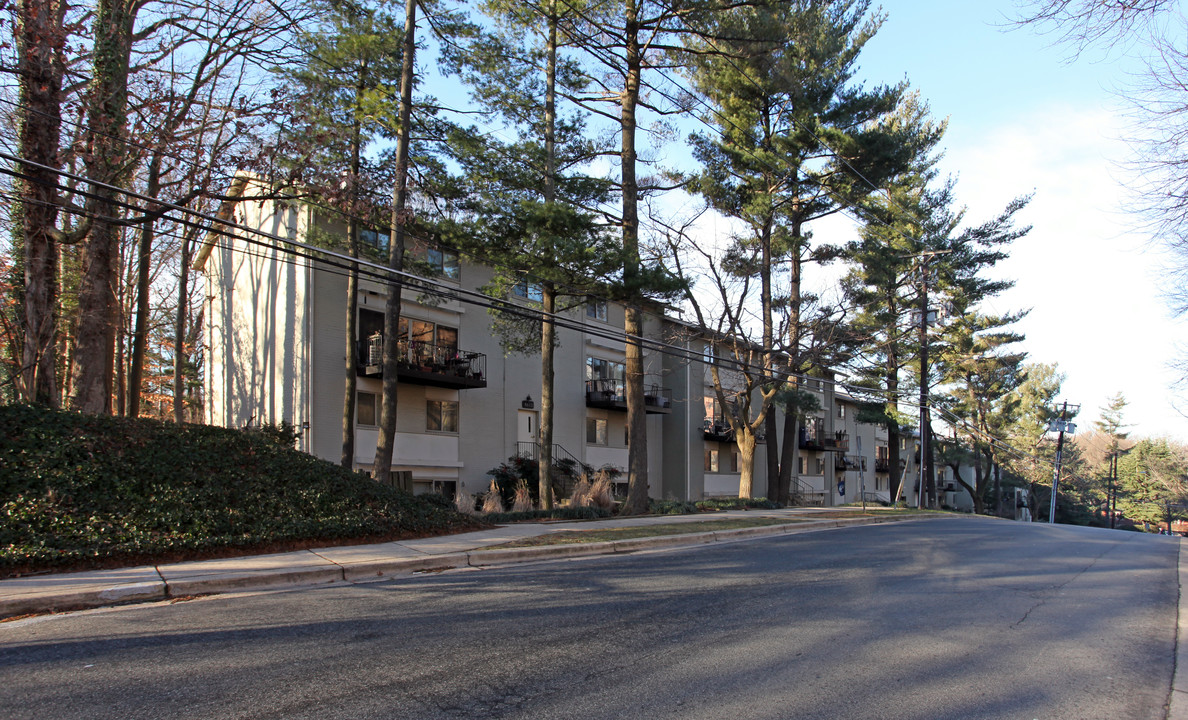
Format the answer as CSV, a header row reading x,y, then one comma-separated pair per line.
x,y
421,363
814,437
883,464
717,429
849,462
611,394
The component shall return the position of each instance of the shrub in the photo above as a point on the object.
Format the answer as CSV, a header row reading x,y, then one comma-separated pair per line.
x,y
90,491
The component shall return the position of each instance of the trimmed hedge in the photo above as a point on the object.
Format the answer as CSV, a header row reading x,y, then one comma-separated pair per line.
x,y
88,491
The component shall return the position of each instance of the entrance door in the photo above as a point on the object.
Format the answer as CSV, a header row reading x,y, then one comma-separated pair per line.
x,y
528,432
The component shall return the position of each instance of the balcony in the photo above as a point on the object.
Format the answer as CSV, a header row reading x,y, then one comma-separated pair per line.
x,y
849,462
837,442
420,363
717,430
882,464
814,437
611,394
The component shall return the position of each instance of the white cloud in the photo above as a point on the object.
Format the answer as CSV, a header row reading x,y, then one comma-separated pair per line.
x,y
1085,269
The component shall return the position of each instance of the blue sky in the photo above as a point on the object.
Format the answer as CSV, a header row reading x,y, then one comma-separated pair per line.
x,y
1024,119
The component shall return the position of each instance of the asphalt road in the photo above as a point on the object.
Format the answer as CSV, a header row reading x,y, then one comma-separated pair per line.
x,y
948,618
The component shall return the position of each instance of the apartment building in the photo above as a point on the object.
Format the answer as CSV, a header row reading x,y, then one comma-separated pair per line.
x,y
275,328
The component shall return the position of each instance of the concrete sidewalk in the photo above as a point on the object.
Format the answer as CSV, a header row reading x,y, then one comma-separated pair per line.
x,y
364,563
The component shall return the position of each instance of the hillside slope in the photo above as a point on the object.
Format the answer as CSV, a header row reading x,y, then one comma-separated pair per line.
x,y
79,491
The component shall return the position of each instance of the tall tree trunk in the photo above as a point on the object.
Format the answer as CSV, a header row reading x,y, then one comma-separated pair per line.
x,y
895,472
637,452
791,440
548,330
746,462
180,351
105,160
777,491
997,489
41,40
119,383
143,275
387,436
351,356
548,347
776,488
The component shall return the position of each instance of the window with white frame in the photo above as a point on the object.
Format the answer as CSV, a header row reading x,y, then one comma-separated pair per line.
x,y
441,416
596,309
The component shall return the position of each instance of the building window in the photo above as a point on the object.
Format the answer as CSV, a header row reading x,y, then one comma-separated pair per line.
x,y
596,309
708,354
528,291
734,461
821,468
441,415
903,446
711,461
365,408
444,263
596,431
377,239
841,415
803,466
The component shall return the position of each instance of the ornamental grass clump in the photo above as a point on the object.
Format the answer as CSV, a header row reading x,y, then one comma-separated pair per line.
x,y
523,499
464,502
601,493
581,493
492,500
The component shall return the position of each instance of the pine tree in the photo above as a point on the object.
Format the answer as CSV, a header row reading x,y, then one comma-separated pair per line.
x,y
345,92
794,140
526,196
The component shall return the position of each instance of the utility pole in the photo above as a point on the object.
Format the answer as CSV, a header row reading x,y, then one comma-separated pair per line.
x,y
1060,426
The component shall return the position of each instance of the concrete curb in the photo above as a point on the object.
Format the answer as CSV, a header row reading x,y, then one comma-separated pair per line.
x,y
99,597
293,570
1177,704
208,584
382,570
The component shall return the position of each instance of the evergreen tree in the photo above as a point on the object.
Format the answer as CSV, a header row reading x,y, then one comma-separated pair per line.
x,y
526,197
345,92
1153,478
793,140
982,370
